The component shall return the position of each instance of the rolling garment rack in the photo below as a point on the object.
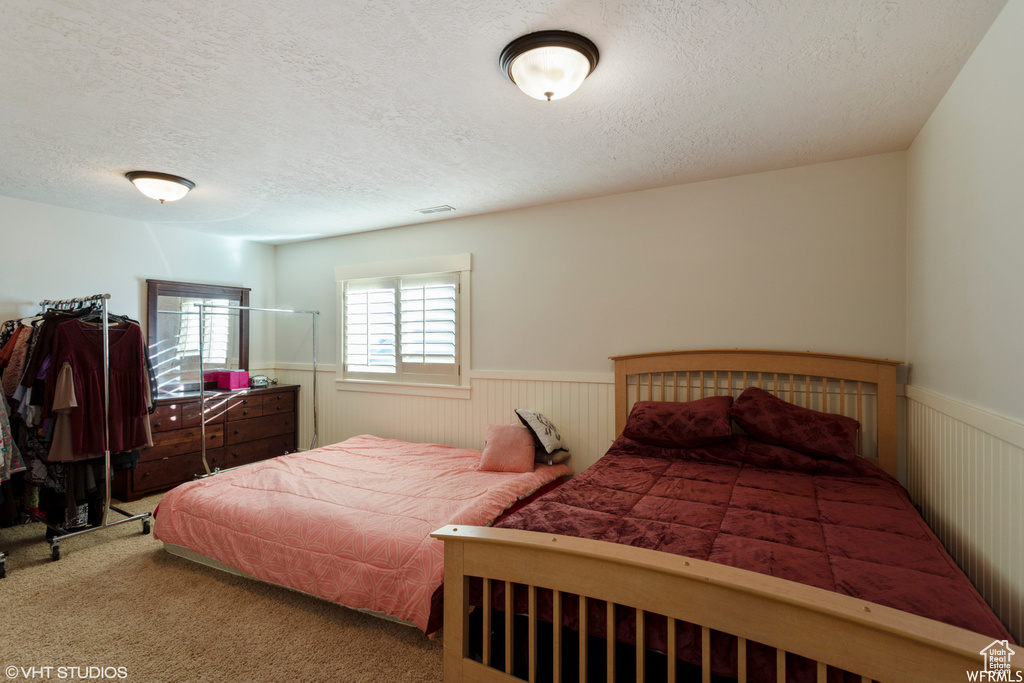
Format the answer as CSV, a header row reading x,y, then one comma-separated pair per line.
x,y
62,533
202,384
3,560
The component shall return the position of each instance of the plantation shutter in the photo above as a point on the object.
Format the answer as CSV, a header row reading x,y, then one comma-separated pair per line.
x,y
216,335
403,329
429,328
371,327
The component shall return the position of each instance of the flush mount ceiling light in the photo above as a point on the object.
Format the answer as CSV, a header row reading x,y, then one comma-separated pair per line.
x,y
548,65
162,186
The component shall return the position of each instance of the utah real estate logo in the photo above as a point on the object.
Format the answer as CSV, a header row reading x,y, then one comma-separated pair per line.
x,y
997,665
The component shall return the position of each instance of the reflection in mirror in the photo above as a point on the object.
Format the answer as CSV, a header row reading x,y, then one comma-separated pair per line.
x,y
178,343
174,332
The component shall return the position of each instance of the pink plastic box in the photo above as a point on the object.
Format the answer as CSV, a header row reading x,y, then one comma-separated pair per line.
x,y
234,379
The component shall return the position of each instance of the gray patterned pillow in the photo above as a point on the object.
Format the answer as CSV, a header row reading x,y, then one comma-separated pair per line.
x,y
543,457
544,433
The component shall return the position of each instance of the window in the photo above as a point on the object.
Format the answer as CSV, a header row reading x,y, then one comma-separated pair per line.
x,y
404,328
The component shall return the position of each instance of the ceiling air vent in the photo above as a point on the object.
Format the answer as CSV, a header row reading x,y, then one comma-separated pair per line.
x,y
444,208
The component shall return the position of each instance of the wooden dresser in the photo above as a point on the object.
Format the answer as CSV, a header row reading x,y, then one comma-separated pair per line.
x,y
242,427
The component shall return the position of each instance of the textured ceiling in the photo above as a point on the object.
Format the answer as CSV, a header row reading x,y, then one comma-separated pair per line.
x,y
299,118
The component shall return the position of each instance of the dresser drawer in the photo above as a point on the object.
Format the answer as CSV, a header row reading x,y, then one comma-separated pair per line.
x,y
261,449
244,407
182,441
216,411
279,402
166,472
165,417
259,428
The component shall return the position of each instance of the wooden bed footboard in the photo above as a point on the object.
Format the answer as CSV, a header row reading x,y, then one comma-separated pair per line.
x,y
833,630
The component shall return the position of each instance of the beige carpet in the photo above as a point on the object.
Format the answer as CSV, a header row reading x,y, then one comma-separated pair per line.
x,y
117,599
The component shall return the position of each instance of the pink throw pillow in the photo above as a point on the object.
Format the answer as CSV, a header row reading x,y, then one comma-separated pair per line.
x,y
509,448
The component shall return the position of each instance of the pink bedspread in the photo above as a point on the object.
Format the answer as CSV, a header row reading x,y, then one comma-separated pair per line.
x,y
349,522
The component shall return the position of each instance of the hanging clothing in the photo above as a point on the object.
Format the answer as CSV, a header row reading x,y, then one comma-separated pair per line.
x,y
9,342
81,346
41,350
16,354
61,448
10,456
12,358
53,366
6,330
30,401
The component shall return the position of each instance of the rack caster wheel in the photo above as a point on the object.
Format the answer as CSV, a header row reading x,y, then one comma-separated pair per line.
x,y
146,527
3,571
55,552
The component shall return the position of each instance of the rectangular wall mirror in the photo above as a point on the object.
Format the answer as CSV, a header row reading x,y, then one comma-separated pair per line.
x,y
174,332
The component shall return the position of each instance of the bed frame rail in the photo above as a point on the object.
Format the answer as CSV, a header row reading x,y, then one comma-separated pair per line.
x,y
869,640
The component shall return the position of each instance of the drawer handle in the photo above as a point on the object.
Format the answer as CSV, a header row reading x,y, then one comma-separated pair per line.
x,y
158,425
238,431
145,474
214,436
245,402
245,412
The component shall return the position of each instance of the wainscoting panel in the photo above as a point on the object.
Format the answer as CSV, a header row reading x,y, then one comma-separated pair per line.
x,y
583,411
969,486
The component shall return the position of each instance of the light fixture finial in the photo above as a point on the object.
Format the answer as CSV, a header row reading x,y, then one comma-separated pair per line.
x,y
549,65
160,186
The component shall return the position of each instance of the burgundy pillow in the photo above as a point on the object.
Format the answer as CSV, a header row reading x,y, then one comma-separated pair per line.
x,y
509,448
769,419
680,425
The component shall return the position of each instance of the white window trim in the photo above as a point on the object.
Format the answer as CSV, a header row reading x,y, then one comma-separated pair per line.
x,y
460,263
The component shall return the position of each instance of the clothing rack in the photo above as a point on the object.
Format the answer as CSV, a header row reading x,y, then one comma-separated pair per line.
x,y
202,384
62,533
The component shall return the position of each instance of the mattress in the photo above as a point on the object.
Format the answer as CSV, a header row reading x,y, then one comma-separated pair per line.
x,y
843,526
349,522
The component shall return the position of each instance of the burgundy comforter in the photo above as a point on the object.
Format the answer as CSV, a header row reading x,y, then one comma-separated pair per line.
x,y
842,526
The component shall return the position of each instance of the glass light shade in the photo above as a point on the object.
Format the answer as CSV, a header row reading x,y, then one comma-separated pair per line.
x,y
550,72
160,186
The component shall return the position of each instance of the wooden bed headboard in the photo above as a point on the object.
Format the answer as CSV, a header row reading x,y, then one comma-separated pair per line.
x,y
861,388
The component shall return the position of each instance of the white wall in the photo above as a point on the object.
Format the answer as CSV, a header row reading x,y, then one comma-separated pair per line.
x,y
810,258
965,289
51,252
805,258
966,230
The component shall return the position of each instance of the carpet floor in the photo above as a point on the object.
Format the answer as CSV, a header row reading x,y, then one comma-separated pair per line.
x,y
117,599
